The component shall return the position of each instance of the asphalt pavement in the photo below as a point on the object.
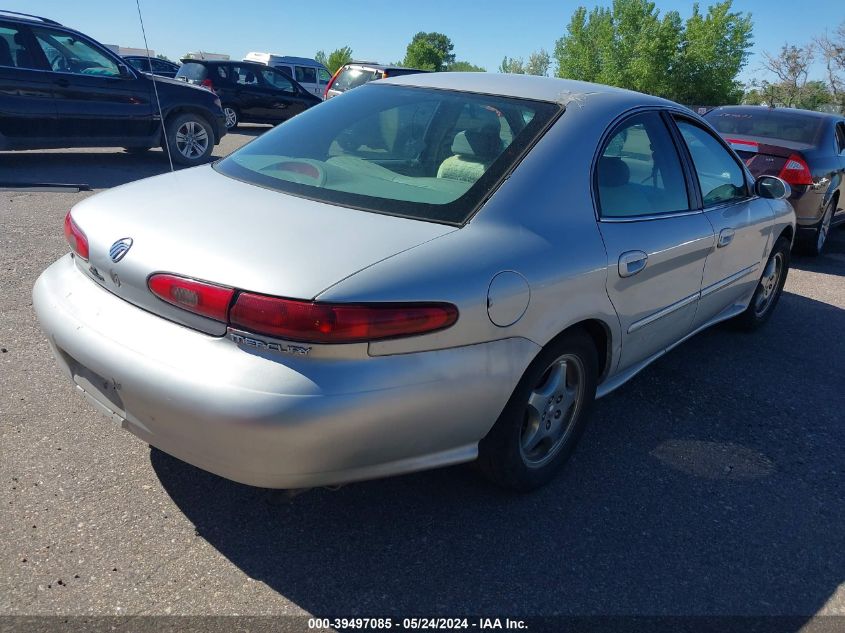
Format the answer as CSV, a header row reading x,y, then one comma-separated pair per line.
x,y
711,484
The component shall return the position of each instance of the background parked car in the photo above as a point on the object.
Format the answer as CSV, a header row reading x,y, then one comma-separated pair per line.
x,y
309,73
250,92
358,73
805,148
59,88
154,65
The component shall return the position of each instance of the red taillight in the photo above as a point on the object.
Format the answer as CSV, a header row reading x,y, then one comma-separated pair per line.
x,y
331,81
206,83
796,171
76,238
199,297
337,323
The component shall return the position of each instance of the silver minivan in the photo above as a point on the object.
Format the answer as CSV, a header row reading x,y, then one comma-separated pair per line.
x,y
309,73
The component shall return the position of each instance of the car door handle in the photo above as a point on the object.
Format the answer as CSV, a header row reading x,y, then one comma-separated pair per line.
x,y
726,236
632,262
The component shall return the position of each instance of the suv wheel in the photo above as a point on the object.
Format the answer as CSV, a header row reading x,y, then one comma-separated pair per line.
x,y
190,138
232,118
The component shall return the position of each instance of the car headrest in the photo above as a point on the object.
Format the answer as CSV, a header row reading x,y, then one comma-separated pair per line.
x,y
249,77
613,172
483,144
5,53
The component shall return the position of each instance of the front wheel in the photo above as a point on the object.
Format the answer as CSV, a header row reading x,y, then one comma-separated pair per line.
x,y
190,139
769,289
545,416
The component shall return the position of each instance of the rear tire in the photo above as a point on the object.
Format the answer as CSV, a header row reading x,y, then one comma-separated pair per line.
x,y
233,117
190,139
814,245
768,291
545,416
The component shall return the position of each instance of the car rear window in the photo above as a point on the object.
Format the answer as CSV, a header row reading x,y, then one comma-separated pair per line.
x,y
775,124
192,71
353,77
427,154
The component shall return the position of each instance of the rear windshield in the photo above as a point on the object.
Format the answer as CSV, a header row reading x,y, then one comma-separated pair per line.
x,y
775,124
413,152
354,77
192,71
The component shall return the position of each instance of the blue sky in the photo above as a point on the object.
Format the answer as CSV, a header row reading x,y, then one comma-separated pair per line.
x,y
482,31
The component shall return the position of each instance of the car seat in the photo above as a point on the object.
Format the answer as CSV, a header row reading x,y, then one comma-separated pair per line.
x,y
5,53
474,151
24,58
618,196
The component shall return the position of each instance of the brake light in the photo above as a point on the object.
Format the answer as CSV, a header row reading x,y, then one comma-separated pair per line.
x,y
76,238
796,171
199,297
741,145
207,84
331,82
337,323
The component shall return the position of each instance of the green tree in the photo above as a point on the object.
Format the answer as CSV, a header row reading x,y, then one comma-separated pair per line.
x,y
429,51
631,45
512,65
164,57
465,67
538,63
322,58
338,58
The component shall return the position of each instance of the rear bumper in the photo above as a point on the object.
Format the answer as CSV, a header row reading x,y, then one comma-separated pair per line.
x,y
268,419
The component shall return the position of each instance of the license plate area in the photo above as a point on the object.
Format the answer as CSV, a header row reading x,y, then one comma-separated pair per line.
x,y
106,391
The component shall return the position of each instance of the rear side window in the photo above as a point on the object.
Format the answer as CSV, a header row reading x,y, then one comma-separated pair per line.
x,y
413,152
352,78
639,171
245,75
720,177
306,74
840,137
192,71
15,50
774,124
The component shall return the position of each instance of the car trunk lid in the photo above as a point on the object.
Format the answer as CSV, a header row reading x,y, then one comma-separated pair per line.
x,y
200,224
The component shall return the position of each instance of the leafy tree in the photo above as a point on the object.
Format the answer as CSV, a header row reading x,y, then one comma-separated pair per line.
x,y
512,65
429,51
164,57
465,67
631,45
792,68
338,58
322,58
833,51
538,63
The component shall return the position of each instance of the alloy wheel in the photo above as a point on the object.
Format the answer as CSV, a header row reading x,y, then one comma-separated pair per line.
x,y
231,117
824,227
191,140
769,282
552,410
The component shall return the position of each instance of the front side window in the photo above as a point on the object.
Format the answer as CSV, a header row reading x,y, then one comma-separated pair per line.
x,y
413,152
140,63
67,53
840,137
639,171
324,76
720,177
277,80
14,48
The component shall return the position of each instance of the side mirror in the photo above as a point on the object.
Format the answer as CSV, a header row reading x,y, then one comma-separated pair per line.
x,y
125,72
772,187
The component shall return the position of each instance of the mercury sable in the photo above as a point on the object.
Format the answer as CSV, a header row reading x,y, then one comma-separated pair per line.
x,y
424,271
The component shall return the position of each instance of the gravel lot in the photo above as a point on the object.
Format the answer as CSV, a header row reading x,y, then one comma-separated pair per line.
x,y
713,483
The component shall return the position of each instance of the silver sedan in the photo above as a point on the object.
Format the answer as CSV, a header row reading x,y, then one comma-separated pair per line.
x,y
428,270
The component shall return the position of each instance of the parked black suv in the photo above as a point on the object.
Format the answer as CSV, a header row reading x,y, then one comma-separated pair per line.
x,y
154,65
250,92
59,88
356,74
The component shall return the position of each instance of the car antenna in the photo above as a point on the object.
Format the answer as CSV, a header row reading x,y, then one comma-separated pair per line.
x,y
155,87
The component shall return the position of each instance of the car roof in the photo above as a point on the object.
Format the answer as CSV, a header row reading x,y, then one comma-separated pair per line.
x,y
239,62
551,89
26,17
378,66
750,109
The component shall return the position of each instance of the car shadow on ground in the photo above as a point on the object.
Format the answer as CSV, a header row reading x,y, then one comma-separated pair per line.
x,y
832,259
101,169
709,484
